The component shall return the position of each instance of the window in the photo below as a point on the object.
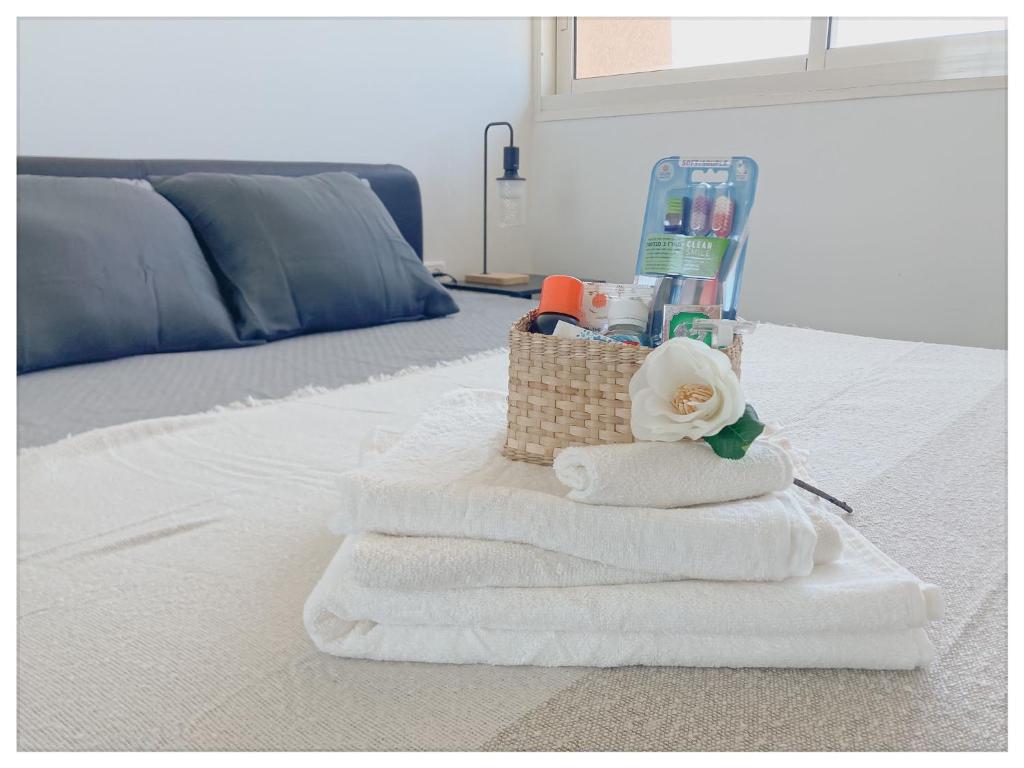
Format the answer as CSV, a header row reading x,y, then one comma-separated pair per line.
x,y
623,46
847,31
603,66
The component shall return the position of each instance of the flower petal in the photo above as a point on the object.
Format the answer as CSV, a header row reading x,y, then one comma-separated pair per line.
x,y
654,386
674,366
646,421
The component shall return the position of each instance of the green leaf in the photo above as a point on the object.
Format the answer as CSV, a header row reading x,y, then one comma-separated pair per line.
x,y
733,441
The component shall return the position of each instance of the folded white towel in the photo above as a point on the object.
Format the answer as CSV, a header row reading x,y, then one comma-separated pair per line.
x,y
905,649
668,475
863,611
865,591
446,477
435,563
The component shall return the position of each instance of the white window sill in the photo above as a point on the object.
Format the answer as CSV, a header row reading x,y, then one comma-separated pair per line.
x,y
974,71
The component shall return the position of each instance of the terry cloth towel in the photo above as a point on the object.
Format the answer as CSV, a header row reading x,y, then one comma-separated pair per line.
x,y
435,563
862,611
667,475
447,477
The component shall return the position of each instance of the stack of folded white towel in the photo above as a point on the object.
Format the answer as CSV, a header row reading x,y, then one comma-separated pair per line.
x,y
649,553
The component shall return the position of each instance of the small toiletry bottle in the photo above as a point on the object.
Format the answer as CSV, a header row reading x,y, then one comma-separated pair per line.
x,y
700,211
627,321
561,298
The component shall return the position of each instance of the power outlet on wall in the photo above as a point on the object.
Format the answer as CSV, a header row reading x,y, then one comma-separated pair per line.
x,y
435,266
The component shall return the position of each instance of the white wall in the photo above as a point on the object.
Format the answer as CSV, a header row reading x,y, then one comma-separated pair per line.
x,y
413,92
876,216
884,217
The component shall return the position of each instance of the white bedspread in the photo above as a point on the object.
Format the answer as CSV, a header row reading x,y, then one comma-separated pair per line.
x,y
163,567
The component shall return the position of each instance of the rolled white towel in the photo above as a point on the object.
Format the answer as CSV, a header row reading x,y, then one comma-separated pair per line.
x,y
670,475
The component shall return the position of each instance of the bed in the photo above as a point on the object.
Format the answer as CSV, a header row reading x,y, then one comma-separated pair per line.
x,y
171,619
62,401
57,402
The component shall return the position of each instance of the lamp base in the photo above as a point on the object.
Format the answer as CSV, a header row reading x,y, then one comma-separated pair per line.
x,y
523,291
498,278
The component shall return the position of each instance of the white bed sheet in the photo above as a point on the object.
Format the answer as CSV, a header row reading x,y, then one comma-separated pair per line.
x,y
163,567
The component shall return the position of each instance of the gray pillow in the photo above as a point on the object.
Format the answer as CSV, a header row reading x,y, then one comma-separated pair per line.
x,y
303,254
108,269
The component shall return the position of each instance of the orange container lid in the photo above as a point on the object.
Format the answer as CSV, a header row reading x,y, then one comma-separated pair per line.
x,y
561,294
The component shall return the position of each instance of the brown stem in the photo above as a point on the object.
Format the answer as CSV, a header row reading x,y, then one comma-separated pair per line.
x,y
826,496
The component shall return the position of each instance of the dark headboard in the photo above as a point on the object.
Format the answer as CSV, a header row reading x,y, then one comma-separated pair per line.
x,y
395,186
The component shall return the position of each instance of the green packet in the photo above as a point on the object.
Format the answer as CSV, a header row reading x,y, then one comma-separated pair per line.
x,y
679,320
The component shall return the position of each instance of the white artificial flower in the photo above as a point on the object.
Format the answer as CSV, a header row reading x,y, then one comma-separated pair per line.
x,y
684,389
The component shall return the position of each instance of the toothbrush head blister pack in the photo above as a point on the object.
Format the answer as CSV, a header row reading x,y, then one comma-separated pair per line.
x,y
695,227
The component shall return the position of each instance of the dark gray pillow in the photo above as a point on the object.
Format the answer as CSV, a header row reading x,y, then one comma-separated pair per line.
x,y
108,269
304,254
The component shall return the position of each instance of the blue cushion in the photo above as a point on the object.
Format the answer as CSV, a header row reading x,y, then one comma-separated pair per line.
x,y
108,268
303,254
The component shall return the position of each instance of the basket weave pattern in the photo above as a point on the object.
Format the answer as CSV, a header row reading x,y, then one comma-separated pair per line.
x,y
564,392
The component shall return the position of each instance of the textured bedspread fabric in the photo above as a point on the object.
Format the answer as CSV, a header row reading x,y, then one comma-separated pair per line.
x,y
163,567
63,401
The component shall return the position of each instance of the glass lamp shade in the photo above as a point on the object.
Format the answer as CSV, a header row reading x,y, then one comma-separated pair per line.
x,y
511,202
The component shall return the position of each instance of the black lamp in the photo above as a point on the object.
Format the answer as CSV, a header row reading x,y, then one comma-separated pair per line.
x,y
512,197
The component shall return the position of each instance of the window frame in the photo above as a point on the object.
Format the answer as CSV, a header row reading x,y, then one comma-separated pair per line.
x,y
975,61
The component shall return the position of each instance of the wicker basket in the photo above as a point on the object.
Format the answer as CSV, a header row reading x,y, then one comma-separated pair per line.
x,y
564,392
